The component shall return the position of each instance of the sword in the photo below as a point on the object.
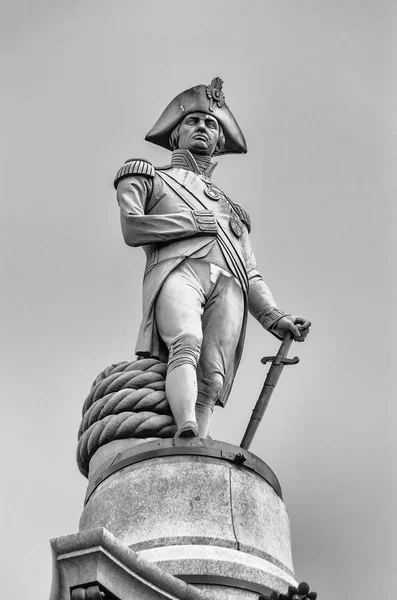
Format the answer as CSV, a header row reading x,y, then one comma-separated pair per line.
x,y
276,368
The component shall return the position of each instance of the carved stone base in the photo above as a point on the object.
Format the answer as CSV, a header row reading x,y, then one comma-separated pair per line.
x,y
94,565
205,512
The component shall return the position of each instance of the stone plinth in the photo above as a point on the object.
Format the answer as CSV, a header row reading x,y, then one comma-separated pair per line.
x,y
94,565
207,512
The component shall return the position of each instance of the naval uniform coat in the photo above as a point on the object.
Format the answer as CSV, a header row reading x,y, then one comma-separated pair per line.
x,y
154,216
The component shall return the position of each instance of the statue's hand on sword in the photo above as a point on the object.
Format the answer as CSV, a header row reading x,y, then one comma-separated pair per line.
x,y
298,326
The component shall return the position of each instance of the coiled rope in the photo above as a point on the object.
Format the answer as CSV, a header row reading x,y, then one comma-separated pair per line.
x,y
127,400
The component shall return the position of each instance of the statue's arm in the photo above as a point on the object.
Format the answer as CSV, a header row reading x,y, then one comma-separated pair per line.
x,y
139,228
262,306
261,303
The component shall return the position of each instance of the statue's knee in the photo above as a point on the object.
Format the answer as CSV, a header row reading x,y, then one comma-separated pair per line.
x,y
210,389
217,383
184,350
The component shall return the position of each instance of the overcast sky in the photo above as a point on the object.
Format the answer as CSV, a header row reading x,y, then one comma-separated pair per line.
x,y
312,85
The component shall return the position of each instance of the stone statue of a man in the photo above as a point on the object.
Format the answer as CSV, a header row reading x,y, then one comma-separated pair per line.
x,y
201,277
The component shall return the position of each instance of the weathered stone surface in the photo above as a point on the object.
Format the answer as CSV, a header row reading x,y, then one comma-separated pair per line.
x,y
97,556
200,515
252,502
219,561
161,499
111,450
221,592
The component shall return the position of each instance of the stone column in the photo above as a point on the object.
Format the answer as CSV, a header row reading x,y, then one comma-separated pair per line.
x,y
207,512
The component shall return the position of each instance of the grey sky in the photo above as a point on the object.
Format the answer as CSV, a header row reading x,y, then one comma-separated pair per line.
x,y
313,86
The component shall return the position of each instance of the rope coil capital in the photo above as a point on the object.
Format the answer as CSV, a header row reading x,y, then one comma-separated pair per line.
x,y
127,400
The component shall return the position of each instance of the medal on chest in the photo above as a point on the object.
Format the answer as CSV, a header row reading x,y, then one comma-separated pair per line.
x,y
214,193
210,190
236,226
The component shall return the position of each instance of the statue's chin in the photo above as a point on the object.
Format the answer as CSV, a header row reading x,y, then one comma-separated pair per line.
x,y
201,152
199,147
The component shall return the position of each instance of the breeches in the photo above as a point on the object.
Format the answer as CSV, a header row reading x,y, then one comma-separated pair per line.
x,y
199,313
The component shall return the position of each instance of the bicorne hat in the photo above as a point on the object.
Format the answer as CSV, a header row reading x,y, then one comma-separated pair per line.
x,y
202,98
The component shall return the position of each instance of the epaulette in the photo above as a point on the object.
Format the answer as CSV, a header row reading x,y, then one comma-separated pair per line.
x,y
134,166
244,216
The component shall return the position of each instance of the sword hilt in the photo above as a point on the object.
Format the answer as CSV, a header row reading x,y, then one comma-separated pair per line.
x,y
277,360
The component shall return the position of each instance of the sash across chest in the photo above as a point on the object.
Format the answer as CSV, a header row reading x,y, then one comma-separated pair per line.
x,y
195,203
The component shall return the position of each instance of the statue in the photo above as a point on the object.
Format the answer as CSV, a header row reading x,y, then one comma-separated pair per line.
x,y
201,277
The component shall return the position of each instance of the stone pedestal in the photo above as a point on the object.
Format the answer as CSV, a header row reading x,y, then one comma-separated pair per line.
x,y
206,512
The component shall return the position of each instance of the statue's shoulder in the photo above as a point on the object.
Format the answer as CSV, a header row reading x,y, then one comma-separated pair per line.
x,y
244,216
163,168
135,166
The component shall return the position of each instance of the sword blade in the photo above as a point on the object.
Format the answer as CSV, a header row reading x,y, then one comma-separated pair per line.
x,y
271,380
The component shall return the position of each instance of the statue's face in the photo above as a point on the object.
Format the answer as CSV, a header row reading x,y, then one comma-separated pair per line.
x,y
199,133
